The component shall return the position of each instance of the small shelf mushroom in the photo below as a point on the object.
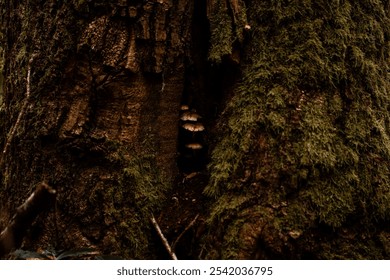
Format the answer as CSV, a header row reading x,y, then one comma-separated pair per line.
x,y
192,152
193,127
184,107
194,146
190,116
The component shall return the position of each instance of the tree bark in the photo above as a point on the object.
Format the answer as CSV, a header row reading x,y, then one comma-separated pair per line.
x,y
294,97
101,123
301,168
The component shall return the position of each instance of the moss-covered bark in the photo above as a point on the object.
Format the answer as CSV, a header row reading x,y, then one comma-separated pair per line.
x,y
101,122
302,168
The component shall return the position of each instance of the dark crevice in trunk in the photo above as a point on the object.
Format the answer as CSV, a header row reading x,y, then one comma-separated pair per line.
x,y
206,90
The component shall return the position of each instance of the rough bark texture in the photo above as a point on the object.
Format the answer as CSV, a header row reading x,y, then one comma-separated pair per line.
x,y
299,164
101,124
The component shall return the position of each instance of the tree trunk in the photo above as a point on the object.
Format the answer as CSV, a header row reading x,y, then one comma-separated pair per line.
x,y
101,125
302,168
294,100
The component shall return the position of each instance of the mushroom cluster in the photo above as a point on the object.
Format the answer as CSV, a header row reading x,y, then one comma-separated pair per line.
x,y
192,151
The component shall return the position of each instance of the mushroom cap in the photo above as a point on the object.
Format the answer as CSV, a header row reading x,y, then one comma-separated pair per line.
x,y
194,146
190,116
184,107
194,127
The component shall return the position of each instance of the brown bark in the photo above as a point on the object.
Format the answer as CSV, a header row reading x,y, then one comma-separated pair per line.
x,y
106,88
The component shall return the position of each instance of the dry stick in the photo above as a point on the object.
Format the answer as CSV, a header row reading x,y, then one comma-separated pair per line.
x,y
12,236
184,231
163,239
11,133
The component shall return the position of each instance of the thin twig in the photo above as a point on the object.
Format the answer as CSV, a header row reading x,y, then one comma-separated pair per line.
x,y
28,90
184,231
163,239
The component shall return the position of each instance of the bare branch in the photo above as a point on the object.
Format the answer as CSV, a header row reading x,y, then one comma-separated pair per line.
x,y
163,239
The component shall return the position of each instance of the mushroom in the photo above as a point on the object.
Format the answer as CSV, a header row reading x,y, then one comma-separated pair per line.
x,y
194,127
190,116
196,151
194,146
184,107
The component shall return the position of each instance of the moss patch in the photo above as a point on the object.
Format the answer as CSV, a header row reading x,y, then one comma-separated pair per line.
x,y
309,124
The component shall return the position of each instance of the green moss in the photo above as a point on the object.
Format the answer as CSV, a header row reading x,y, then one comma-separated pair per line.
x,y
221,31
149,185
147,191
138,193
351,250
310,118
227,21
